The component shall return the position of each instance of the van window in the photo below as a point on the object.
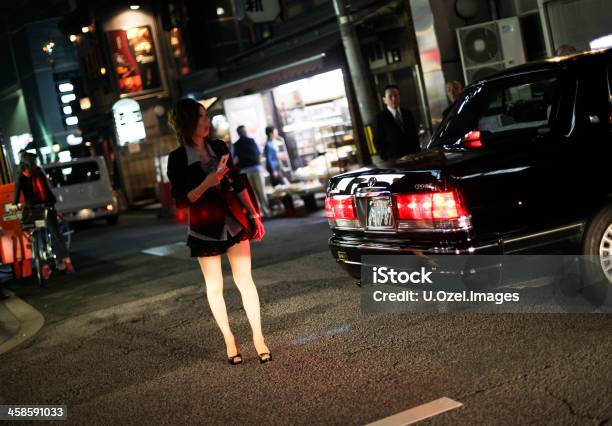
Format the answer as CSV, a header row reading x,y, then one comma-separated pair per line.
x,y
72,174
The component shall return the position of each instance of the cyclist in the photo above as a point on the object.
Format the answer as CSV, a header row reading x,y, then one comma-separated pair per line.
x,y
32,182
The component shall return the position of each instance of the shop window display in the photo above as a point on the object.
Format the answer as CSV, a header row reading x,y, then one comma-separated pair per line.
x,y
316,123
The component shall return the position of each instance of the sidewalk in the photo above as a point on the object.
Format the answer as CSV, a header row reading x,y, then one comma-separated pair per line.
x,y
18,322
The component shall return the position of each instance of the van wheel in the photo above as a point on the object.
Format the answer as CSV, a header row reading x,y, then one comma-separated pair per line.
x,y
598,240
112,220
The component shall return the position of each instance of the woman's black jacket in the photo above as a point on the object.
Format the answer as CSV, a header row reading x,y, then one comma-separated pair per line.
x,y
207,214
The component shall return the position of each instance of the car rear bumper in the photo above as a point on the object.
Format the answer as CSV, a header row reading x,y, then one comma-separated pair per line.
x,y
348,251
89,213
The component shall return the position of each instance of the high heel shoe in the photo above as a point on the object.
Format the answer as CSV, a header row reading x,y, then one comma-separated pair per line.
x,y
264,357
232,359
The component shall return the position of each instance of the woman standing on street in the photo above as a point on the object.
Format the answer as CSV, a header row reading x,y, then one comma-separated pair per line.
x,y
202,175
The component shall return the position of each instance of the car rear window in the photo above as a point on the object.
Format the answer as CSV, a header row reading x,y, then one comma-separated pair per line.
x,y
72,174
501,107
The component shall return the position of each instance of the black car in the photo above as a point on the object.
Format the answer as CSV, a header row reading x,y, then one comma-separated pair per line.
x,y
523,160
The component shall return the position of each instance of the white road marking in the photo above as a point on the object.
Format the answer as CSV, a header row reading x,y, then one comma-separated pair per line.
x,y
419,413
165,250
302,340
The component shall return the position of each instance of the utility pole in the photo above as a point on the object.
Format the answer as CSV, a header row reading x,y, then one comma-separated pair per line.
x,y
366,98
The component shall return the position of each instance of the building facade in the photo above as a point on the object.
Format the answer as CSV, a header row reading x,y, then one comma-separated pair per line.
x,y
101,79
38,84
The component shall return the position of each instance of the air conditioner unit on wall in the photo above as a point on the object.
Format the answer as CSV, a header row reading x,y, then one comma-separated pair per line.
x,y
490,47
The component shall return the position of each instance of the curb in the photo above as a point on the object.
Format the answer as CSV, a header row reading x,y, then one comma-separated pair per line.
x,y
24,324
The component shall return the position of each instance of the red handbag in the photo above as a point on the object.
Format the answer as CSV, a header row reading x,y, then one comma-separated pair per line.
x,y
239,211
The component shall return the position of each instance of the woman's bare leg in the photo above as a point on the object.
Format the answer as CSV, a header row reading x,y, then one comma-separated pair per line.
x,y
239,256
213,275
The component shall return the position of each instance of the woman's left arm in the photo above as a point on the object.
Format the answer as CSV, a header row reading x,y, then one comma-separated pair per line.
x,y
239,188
256,217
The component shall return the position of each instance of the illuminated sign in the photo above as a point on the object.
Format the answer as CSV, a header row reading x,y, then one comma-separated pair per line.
x,y
128,121
262,10
72,121
134,58
19,142
66,87
68,98
74,140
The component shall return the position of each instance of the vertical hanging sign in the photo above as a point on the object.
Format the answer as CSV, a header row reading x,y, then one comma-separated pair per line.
x,y
134,58
128,122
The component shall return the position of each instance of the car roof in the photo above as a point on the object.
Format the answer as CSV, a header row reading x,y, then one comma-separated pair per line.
x,y
553,63
72,162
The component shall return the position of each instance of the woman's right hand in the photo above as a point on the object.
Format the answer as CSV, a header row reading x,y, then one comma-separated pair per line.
x,y
213,179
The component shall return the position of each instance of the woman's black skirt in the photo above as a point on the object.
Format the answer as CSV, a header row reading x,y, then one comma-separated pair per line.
x,y
202,248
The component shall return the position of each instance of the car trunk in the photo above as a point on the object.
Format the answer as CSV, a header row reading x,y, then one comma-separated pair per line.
x,y
376,210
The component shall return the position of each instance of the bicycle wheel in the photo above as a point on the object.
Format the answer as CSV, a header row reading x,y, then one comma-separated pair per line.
x,y
48,252
39,254
36,258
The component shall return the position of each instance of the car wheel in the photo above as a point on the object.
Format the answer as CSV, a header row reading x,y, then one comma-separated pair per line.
x,y
598,240
112,220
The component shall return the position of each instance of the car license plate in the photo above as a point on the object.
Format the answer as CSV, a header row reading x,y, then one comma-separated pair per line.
x,y
380,215
86,214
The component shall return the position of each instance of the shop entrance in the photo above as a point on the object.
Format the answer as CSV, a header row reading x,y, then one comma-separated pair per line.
x,y
315,132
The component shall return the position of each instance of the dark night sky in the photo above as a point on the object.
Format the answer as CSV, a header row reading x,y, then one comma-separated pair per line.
x,y
18,12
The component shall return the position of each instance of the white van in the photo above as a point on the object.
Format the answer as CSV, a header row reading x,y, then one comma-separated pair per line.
x,y
83,190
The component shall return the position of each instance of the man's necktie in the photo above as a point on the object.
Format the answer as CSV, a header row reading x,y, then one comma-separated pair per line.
x,y
399,120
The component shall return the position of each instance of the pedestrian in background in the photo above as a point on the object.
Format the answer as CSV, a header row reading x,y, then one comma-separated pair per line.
x,y
204,179
453,90
395,134
565,49
277,176
248,159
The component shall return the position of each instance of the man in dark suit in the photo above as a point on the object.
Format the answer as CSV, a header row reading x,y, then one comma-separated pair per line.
x,y
395,134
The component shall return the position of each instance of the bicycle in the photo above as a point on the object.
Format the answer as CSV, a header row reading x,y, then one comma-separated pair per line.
x,y
41,240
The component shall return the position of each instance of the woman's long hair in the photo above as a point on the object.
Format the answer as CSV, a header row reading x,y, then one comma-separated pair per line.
x,y
183,118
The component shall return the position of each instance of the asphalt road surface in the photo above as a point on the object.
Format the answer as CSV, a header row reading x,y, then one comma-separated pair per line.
x,y
129,339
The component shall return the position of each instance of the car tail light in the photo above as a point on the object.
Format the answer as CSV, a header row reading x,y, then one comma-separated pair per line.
x,y
341,212
472,139
431,210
